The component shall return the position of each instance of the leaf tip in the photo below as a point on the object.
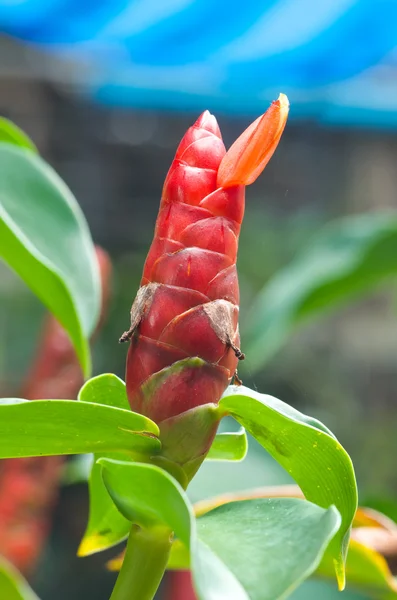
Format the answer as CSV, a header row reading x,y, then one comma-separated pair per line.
x,y
340,573
88,545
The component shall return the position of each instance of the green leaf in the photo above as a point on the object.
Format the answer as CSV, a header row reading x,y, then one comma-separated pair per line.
x,y
12,134
366,569
148,496
105,389
345,259
45,239
106,525
152,499
269,546
256,549
211,577
12,585
303,446
50,427
229,446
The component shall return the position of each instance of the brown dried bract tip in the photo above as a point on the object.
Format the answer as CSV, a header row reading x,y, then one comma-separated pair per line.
x,y
126,336
139,307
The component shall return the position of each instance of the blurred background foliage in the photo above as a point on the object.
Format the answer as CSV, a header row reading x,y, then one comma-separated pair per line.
x,y
340,366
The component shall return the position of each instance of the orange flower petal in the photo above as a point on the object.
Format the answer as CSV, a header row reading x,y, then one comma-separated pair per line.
x,y
251,152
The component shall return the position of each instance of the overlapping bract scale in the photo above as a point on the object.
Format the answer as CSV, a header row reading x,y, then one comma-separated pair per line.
x,y
187,306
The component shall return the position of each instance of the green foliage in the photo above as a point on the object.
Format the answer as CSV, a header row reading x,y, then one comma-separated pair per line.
x,y
123,491
45,239
366,569
156,505
280,542
256,549
12,585
12,134
106,389
49,427
303,446
106,525
345,259
229,446
148,496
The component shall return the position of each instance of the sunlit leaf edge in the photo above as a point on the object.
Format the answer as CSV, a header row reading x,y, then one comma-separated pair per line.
x,y
10,133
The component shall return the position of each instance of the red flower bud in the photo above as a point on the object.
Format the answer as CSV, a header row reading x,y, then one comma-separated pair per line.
x,y
184,322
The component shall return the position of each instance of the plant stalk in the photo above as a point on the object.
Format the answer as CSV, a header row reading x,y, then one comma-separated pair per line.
x,y
144,563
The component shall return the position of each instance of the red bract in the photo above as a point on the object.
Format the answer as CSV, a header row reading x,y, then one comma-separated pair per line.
x,y
184,322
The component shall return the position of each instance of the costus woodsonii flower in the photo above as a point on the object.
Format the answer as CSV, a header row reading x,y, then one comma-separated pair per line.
x,y
184,337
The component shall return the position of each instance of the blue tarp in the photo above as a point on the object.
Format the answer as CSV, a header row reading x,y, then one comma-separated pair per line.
x,y
336,59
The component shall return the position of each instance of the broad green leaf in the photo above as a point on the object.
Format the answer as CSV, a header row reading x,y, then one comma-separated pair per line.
x,y
303,446
105,389
106,525
148,496
12,134
179,558
366,571
50,427
12,585
345,259
364,517
252,550
270,546
211,577
229,446
45,239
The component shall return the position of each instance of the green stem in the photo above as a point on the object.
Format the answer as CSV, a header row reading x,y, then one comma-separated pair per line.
x,y
144,564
